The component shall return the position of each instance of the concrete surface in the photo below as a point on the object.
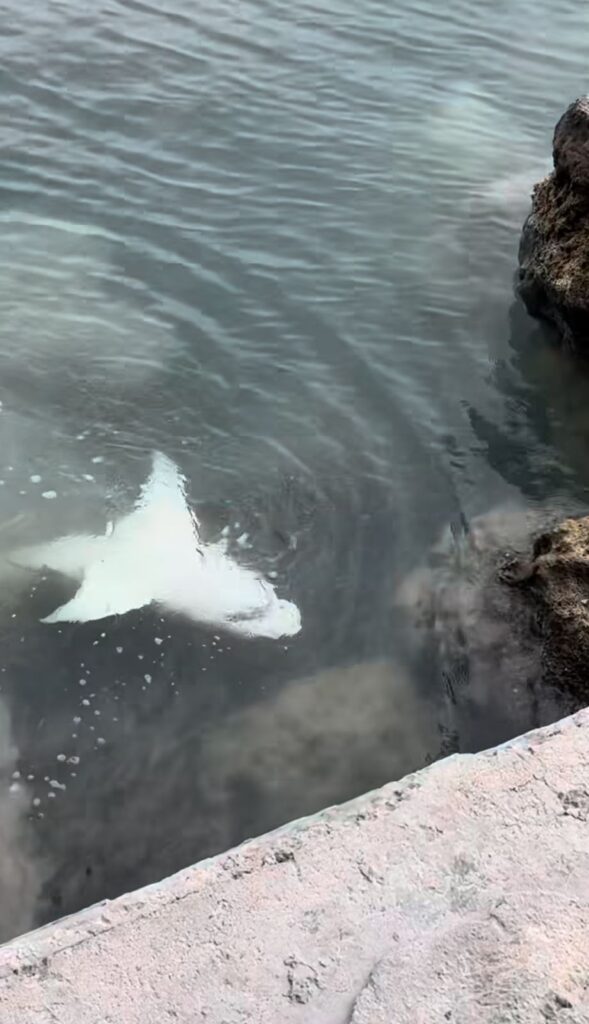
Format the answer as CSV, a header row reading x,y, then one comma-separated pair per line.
x,y
460,894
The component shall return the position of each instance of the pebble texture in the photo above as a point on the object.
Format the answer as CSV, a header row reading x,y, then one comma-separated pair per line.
x,y
459,894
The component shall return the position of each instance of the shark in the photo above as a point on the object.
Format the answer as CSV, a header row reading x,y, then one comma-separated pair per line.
x,y
155,555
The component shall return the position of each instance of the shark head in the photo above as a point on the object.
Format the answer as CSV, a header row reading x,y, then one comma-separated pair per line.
x,y
155,555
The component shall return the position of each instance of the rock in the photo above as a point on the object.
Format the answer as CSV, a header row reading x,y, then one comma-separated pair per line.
x,y
554,247
511,655
555,583
476,633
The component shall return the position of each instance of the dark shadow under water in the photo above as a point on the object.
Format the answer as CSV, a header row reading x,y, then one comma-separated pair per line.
x,y
145,743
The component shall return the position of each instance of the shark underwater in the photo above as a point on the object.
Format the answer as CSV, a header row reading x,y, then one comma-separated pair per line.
x,y
155,555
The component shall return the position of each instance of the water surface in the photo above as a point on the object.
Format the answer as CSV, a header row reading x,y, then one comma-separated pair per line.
x,y
277,244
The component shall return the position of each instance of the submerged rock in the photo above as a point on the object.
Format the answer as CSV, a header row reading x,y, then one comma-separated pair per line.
x,y
554,247
514,655
475,632
555,584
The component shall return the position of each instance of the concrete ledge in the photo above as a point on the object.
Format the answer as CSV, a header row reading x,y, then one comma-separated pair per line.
x,y
460,894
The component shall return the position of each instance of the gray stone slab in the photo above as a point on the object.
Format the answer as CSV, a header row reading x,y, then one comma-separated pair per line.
x,y
460,894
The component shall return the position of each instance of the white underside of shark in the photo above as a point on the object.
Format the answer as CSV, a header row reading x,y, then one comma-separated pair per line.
x,y
155,555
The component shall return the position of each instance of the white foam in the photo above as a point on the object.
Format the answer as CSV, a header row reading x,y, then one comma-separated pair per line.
x,y
156,555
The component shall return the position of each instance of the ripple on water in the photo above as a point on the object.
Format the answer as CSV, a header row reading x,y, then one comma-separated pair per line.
x,y
276,242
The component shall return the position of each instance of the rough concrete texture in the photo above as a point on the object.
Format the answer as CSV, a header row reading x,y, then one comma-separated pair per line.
x,y
460,894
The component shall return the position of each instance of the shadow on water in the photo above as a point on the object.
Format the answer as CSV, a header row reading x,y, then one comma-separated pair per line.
x,y
539,440
145,743
196,743
23,868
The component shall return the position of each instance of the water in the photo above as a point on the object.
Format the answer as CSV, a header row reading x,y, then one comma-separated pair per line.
x,y
276,243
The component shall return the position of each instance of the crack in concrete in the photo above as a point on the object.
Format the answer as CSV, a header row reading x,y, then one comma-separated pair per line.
x,y
366,984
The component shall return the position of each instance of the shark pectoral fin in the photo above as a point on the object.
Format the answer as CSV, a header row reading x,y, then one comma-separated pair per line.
x,y
98,597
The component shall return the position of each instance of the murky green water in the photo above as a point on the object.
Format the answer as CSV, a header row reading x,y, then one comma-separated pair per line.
x,y
275,242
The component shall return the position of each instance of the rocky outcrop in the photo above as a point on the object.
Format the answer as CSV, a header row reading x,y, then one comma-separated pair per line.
x,y
555,582
515,653
554,248
478,636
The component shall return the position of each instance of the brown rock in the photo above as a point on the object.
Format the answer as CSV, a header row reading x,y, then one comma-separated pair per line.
x,y
556,581
518,653
554,247
478,633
